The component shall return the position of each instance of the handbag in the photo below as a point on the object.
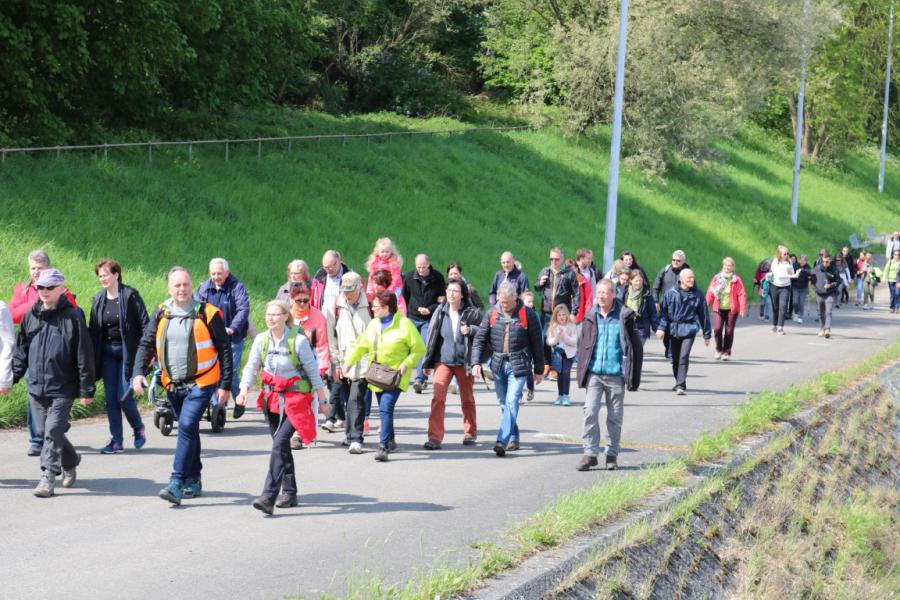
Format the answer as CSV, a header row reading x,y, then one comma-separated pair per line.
x,y
381,375
556,359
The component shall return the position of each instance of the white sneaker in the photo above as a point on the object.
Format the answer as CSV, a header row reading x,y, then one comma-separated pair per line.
x,y
355,448
339,425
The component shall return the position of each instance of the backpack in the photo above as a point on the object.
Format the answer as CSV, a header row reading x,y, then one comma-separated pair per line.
x,y
523,317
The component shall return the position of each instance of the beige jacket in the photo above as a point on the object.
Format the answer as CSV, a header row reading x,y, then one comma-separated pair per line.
x,y
343,331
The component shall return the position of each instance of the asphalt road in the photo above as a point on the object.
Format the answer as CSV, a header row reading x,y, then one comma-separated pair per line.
x,y
110,536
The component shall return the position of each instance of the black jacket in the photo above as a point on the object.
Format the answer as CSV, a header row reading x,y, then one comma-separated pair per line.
x,y
146,352
132,321
54,347
822,277
801,282
566,290
666,279
526,344
469,315
632,348
647,320
422,292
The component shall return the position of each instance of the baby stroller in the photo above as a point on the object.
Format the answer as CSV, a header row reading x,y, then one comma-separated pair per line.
x,y
164,416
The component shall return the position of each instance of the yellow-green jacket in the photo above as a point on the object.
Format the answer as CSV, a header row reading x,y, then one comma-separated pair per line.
x,y
399,344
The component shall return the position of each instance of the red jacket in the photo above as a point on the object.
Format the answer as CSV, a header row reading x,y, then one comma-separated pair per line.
x,y
297,405
585,299
23,298
738,295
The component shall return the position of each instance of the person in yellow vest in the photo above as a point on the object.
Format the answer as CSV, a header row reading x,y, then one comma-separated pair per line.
x,y
189,342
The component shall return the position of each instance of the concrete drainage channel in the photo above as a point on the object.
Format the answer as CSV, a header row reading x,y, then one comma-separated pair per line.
x,y
757,525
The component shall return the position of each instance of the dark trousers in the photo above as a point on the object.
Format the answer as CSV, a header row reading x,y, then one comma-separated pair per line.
x,y
723,327
355,393
338,401
781,300
281,462
681,359
51,421
564,379
548,351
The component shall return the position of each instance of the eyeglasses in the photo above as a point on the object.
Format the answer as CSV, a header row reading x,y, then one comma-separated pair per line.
x,y
45,288
301,300
555,258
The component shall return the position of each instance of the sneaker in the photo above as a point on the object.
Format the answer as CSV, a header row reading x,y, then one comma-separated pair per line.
x,y
418,386
296,443
70,475
453,389
718,356
821,333
339,424
512,446
330,426
432,445
611,464
112,448
529,396
558,401
172,493
827,333
552,376
469,440
35,449
44,488
392,446
566,401
499,449
726,356
286,500
800,320
587,461
345,443
238,411
192,488
381,455
264,504
355,448
140,438
781,331
680,391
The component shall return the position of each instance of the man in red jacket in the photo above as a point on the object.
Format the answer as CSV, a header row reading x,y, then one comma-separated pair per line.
x,y
24,296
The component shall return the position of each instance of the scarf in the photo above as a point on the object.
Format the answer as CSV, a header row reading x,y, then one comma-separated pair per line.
x,y
721,284
634,299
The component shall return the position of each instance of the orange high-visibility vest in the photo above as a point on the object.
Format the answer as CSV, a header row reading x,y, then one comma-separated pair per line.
x,y
203,360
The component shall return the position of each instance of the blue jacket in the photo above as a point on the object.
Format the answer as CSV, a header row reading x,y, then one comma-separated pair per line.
x,y
619,338
516,277
683,313
232,300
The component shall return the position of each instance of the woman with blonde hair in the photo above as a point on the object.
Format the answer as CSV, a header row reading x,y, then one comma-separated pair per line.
x,y
781,272
727,298
297,270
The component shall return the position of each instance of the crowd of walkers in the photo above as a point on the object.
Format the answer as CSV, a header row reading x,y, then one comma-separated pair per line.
x,y
338,342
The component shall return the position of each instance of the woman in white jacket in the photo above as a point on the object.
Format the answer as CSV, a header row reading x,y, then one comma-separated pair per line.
x,y
562,336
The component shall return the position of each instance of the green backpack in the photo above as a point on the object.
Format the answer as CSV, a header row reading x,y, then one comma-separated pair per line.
x,y
303,386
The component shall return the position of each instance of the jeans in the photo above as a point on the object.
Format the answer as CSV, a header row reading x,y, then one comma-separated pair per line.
x,y
189,405
765,307
34,436
237,352
564,378
386,403
509,392
781,299
826,303
281,462
610,388
798,298
894,295
338,402
681,359
723,329
422,326
119,397
859,291
51,420
356,393
442,376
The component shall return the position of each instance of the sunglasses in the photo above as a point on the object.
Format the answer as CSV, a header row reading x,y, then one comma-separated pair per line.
x,y
301,300
45,288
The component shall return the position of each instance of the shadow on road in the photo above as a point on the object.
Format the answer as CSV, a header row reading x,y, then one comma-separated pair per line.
x,y
351,503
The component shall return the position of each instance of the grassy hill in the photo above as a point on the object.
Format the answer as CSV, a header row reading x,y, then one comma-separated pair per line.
x,y
460,197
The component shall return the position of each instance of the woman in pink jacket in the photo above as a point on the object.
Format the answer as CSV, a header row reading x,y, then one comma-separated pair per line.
x,y
727,298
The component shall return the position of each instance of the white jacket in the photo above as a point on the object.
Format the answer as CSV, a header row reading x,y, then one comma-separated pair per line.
x,y
343,331
7,344
566,337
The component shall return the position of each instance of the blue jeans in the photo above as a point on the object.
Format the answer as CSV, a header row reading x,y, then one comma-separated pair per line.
x,y
386,402
509,393
859,291
894,295
119,397
190,405
34,436
237,352
422,326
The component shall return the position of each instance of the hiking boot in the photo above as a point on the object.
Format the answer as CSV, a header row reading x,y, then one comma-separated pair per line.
x,y
453,388
469,440
286,500
432,445
296,443
529,396
381,455
192,488
355,448
238,411
172,493
499,449
512,446
392,446
69,475
35,449
330,426
140,437
587,461
112,448
264,504
418,386
566,401
611,463
44,488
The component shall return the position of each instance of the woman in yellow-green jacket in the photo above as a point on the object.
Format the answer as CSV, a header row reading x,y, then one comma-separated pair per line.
x,y
392,340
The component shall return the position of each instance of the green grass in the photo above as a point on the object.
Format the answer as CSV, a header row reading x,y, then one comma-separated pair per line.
x,y
460,197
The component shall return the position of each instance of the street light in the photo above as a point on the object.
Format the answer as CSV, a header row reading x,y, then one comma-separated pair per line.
x,y
887,95
612,197
798,135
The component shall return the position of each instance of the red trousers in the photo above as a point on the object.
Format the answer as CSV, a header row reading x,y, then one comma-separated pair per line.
x,y
443,374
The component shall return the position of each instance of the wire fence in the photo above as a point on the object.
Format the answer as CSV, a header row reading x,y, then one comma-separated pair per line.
x,y
229,144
